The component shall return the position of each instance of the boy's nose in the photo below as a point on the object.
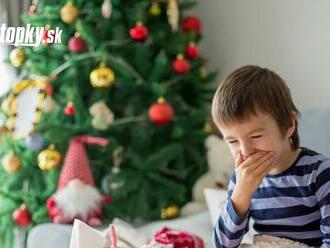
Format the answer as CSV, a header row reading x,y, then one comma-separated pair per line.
x,y
247,151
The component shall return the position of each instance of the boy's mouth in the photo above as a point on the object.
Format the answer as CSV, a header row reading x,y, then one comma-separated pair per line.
x,y
246,157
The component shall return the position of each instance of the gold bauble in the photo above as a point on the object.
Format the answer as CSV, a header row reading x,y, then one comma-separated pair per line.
x,y
8,105
48,104
11,163
208,128
102,76
170,212
49,158
202,73
17,57
155,9
69,13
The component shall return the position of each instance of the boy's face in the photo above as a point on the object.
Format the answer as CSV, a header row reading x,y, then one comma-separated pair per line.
x,y
258,133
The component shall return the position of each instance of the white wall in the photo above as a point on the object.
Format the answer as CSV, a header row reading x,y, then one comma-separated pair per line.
x,y
292,37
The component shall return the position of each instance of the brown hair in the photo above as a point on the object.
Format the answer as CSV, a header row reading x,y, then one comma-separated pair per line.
x,y
251,88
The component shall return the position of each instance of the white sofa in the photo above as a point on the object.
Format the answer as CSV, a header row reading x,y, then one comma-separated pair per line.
x,y
55,235
314,132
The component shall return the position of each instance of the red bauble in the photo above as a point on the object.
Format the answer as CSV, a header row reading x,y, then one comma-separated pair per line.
x,y
22,216
69,109
181,65
139,32
49,89
45,37
77,44
106,199
161,113
191,23
192,51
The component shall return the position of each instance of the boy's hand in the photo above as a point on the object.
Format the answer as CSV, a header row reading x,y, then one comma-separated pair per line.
x,y
249,175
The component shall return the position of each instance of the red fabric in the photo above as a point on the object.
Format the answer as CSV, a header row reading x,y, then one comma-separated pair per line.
x,y
179,239
76,162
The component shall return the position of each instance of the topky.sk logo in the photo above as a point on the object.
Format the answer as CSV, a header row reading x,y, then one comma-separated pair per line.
x,y
29,36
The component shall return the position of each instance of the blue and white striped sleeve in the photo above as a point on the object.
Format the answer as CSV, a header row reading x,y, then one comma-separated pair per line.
x,y
322,186
230,228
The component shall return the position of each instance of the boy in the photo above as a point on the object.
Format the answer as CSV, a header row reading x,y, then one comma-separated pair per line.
x,y
283,187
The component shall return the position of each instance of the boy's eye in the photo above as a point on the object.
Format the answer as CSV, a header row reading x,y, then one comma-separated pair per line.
x,y
255,136
232,141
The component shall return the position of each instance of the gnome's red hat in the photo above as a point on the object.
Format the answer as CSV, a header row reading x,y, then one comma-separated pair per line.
x,y
76,162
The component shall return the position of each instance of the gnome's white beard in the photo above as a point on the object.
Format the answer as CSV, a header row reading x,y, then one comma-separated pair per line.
x,y
80,201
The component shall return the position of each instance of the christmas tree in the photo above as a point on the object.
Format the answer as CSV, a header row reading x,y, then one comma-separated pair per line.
x,y
125,70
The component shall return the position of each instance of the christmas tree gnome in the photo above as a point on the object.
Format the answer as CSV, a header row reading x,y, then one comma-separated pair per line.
x,y
76,195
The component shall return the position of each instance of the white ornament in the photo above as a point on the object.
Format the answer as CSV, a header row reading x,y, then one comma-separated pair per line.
x,y
173,14
106,8
102,115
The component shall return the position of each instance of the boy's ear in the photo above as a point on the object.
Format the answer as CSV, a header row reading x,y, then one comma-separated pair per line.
x,y
291,129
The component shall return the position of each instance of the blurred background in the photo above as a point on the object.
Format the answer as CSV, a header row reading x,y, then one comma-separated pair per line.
x,y
289,37
140,75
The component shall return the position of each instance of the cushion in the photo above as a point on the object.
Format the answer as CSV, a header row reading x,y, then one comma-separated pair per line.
x,y
215,199
51,235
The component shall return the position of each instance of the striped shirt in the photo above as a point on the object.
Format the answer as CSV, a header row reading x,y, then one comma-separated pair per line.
x,y
294,204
